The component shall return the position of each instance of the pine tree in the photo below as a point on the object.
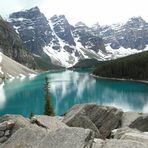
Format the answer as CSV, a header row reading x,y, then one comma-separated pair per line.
x,y
48,109
31,115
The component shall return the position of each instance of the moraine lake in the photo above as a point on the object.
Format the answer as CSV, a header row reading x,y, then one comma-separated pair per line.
x,y
22,96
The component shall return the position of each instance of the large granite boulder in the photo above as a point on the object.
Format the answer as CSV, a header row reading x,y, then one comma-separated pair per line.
x,y
36,137
69,138
25,137
94,116
140,123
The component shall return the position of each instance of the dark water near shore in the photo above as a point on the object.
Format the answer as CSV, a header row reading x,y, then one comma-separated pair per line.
x,y
69,88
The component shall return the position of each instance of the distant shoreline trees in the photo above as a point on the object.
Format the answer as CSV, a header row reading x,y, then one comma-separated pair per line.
x,y
130,67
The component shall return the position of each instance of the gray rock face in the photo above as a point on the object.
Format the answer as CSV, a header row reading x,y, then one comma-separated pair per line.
x,y
133,34
2,133
69,138
140,123
62,29
129,117
3,139
45,131
118,133
39,138
12,46
104,118
33,29
130,134
51,123
114,143
15,122
6,130
25,137
98,143
3,126
123,144
87,38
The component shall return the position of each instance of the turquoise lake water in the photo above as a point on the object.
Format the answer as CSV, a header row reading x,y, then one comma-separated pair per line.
x,y
68,88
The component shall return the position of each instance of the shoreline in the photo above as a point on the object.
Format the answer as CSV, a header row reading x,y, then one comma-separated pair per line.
x,y
119,79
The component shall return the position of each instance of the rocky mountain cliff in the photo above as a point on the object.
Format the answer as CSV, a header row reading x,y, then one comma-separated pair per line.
x,y
133,34
12,46
124,39
66,44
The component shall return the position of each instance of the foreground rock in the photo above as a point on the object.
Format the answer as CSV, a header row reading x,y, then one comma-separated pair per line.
x,y
19,121
6,130
114,143
130,134
91,120
40,138
129,117
140,123
51,123
101,119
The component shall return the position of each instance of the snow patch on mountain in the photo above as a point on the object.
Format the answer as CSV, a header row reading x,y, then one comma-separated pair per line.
x,y
121,52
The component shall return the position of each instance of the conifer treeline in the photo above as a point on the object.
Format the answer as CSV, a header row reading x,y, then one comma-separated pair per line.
x,y
131,67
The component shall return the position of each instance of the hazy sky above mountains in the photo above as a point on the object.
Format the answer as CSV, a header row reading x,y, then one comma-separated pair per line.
x,y
87,11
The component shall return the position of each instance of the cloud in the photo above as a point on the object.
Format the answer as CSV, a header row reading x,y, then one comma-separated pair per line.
x,y
88,11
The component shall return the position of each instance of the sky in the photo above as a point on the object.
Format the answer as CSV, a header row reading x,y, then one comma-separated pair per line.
x,y
88,11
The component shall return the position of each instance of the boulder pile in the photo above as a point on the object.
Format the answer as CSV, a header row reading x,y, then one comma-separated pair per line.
x,y
83,126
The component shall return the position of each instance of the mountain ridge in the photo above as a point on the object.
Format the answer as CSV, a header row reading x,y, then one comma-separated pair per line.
x,y
66,44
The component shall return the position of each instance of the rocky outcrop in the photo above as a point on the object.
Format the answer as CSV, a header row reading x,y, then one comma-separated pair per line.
x,y
135,120
62,138
32,27
6,130
101,119
141,123
114,143
129,117
132,34
45,131
11,68
12,46
19,121
51,123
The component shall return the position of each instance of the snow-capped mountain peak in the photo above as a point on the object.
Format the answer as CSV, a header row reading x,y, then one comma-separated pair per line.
x,y
66,44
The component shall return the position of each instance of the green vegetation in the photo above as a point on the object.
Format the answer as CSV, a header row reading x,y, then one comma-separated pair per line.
x,y
86,63
44,63
131,67
31,115
48,110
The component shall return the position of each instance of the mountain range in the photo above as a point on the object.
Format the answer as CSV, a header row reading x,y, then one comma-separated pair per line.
x,y
66,44
37,42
